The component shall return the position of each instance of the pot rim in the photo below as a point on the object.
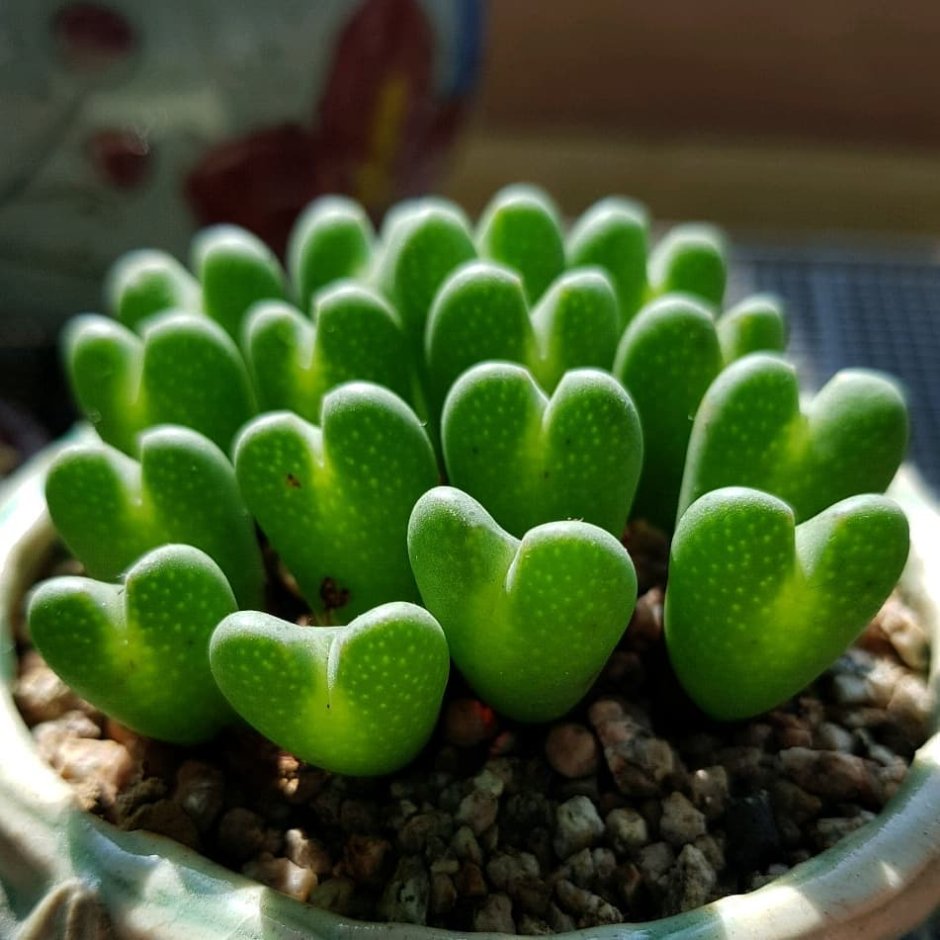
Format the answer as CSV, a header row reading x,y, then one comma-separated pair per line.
x,y
877,882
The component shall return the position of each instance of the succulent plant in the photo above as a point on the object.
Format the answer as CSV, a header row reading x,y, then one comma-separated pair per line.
x,y
561,384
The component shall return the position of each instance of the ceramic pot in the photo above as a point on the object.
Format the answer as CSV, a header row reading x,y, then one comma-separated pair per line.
x,y
68,874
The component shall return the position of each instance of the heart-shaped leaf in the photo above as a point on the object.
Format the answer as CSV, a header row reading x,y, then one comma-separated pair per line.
x,y
756,324
422,243
529,624
335,503
520,228
140,651
110,510
361,699
667,358
575,326
332,240
355,335
480,314
757,607
750,431
236,270
690,259
146,282
184,370
530,459
614,234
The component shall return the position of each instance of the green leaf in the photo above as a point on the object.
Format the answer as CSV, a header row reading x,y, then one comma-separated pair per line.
x,y
335,502
355,335
575,326
690,259
530,459
756,324
613,234
140,651
110,510
332,240
666,360
529,624
480,313
521,229
236,270
183,369
756,608
422,243
145,282
751,431
361,699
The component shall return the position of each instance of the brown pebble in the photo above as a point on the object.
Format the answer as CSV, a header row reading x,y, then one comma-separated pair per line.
x,y
469,881
477,810
307,852
709,790
681,822
832,774
495,915
282,875
333,894
166,818
97,770
690,883
365,857
241,834
443,893
40,694
571,750
626,830
200,790
468,722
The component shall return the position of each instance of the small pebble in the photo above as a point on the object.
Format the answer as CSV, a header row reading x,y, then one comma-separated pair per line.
x,y
282,875
578,826
690,883
626,830
468,722
200,790
407,894
572,750
709,790
495,915
681,822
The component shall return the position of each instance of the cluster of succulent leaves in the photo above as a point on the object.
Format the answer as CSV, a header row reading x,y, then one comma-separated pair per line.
x,y
549,379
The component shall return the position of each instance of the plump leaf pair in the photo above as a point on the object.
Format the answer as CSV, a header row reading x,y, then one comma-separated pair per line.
x,y
362,698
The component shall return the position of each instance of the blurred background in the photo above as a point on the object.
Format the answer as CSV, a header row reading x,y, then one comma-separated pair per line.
x,y
811,131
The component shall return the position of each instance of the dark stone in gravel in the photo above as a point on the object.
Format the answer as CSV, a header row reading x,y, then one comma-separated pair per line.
x,y
753,839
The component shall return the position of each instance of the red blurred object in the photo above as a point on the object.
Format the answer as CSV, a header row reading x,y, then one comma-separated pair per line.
x,y
92,36
122,157
377,135
260,182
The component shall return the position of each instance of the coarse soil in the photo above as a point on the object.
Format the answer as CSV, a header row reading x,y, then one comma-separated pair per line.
x,y
632,807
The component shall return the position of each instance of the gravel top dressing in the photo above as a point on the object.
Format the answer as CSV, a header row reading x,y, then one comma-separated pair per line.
x,y
632,807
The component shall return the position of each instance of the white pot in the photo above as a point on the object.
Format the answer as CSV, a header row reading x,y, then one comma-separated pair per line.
x,y
66,873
